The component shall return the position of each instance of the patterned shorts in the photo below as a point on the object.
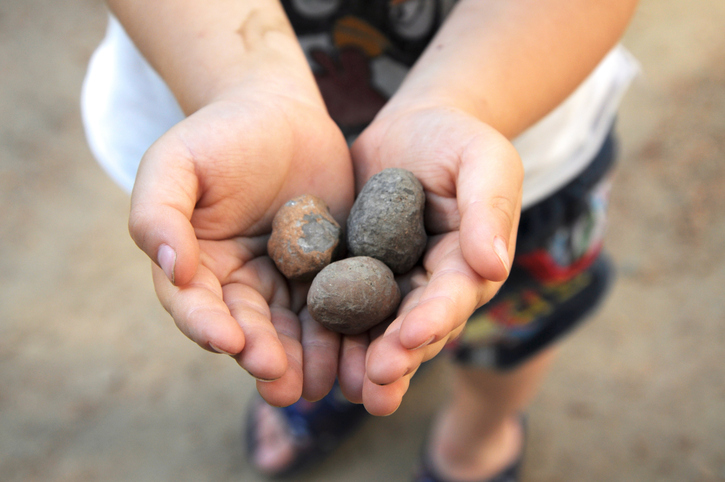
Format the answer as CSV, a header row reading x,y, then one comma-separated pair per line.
x,y
558,277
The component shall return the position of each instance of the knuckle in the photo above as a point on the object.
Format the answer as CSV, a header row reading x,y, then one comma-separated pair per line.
x,y
505,206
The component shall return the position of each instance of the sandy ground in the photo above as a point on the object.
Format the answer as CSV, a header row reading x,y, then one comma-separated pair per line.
x,y
96,383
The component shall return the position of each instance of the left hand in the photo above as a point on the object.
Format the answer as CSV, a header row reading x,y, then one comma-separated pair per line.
x,y
473,178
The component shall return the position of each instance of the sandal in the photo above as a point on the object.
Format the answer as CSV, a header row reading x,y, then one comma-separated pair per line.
x,y
316,428
427,473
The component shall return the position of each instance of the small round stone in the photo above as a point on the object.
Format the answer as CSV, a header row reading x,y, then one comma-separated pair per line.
x,y
352,295
386,221
305,238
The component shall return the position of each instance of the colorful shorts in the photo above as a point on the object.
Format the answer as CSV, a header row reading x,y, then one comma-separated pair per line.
x,y
558,277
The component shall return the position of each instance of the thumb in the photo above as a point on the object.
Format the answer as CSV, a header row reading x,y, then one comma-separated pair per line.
x,y
489,190
162,202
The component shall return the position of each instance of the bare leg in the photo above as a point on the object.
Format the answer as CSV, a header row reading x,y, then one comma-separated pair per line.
x,y
478,433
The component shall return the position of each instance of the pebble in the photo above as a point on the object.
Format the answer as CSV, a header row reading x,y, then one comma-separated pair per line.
x,y
352,295
305,238
386,221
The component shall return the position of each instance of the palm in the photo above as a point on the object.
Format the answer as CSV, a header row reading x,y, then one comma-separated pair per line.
x,y
250,161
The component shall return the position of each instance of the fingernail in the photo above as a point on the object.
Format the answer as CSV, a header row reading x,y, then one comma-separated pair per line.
x,y
219,350
263,380
425,343
501,250
167,260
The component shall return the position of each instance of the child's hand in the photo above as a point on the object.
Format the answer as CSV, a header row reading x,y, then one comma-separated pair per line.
x,y
202,206
473,177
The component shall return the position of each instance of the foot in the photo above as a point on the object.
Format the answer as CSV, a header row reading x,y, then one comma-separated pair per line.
x,y
457,454
282,440
274,445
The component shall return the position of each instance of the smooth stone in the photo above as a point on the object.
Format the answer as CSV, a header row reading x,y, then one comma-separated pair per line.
x,y
352,295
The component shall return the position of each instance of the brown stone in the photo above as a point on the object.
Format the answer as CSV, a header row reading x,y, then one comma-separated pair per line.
x,y
352,295
305,238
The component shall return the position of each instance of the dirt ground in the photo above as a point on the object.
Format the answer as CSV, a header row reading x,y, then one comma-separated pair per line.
x,y
96,383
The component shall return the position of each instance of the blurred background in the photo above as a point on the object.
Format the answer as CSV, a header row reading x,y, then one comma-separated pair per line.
x,y
96,382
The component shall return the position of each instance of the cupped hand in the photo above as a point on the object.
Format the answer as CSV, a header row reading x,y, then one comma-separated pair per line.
x,y
202,206
473,178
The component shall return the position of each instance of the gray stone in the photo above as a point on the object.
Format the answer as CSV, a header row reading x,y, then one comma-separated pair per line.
x,y
386,221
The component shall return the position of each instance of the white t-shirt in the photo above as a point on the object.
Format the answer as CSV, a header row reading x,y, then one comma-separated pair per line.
x,y
126,106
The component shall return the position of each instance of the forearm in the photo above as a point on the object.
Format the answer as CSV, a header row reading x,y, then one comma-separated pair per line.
x,y
204,50
511,62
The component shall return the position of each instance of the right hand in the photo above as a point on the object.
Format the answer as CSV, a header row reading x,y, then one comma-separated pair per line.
x,y
201,209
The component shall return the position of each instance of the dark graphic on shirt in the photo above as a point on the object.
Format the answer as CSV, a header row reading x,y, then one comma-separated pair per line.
x,y
345,83
413,19
316,9
350,43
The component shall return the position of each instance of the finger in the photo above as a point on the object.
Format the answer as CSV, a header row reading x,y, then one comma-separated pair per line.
x,y
260,274
264,355
162,202
388,360
258,298
199,311
384,400
287,389
489,188
351,371
320,349
453,292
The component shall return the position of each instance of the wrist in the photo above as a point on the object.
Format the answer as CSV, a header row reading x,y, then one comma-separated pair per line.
x,y
275,65
204,50
278,74
415,98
